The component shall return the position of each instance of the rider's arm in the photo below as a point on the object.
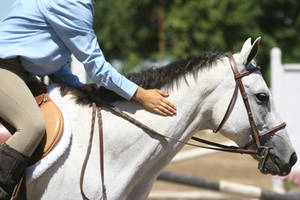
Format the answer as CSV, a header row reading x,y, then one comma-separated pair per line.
x,y
72,21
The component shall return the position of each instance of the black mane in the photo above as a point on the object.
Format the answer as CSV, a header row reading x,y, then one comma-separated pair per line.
x,y
165,76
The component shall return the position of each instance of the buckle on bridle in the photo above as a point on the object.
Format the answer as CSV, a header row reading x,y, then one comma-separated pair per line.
x,y
262,154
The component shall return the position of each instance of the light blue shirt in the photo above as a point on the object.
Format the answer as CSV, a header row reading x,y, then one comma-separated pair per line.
x,y
44,33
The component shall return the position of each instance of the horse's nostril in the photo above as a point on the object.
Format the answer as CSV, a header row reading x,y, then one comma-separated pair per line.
x,y
293,159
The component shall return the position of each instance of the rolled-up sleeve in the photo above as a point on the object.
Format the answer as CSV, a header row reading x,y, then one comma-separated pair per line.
x,y
72,21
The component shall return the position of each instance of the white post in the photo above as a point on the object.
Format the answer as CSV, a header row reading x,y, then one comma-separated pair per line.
x,y
276,76
285,87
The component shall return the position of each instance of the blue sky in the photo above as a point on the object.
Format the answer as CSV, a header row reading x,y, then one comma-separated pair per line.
x,y
4,6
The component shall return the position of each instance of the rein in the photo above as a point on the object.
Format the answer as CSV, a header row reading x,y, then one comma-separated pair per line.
x,y
218,147
96,110
261,151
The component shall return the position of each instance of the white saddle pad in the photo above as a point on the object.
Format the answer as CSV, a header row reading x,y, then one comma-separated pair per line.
x,y
35,171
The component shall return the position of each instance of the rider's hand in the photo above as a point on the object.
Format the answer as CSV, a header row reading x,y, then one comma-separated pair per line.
x,y
155,101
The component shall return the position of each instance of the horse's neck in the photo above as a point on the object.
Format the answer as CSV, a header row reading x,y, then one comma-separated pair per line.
x,y
130,152
194,96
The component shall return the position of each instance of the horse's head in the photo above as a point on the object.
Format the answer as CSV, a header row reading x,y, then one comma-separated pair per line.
x,y
237,127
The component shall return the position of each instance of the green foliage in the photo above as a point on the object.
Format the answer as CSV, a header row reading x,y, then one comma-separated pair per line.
x,y
124,27
210,25
128,29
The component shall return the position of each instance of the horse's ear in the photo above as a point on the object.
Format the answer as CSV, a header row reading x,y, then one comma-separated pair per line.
x,y
249,51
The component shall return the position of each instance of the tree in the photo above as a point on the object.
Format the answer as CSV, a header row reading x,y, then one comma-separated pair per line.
x,y
127,29
131,30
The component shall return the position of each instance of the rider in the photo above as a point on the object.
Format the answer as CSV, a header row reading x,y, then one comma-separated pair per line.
x,y
38,37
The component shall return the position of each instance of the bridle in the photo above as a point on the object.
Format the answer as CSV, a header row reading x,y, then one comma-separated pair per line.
x,y
261,151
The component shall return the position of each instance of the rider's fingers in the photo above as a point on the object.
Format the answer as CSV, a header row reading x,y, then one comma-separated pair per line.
x,y
162,93
159,111
170,108
164,110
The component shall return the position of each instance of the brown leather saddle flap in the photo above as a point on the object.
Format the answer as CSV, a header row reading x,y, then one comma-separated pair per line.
x,y
54,129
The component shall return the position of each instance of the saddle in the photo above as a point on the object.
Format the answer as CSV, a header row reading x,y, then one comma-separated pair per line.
x,y
53,119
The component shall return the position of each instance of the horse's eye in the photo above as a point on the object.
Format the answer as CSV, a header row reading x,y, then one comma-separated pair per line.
x,y
263,97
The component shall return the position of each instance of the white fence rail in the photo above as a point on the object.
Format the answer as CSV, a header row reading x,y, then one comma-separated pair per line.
x,y
285,87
